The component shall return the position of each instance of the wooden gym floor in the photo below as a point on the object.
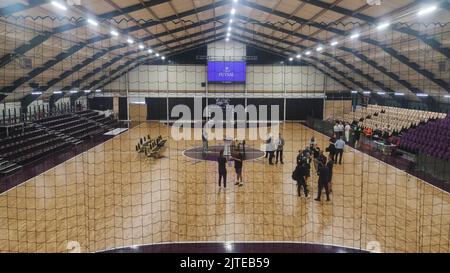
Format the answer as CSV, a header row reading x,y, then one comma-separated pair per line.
x,y
112,197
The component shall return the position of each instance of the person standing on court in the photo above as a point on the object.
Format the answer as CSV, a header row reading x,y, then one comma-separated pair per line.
x,y
222,161
324,178
238,162
267,144
330,165
300,175
341,129
347,132
356,135
331,149
340,145
336,129
280,145
270,149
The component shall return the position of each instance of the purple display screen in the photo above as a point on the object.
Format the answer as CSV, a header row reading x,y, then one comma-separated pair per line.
x,y
226,72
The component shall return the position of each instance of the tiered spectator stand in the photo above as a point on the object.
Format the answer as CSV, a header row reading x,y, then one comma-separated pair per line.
x,y
26,142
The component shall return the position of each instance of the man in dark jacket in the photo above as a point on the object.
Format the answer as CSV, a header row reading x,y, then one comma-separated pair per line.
x,y
331,149
324,178
330,165
222,161
300,175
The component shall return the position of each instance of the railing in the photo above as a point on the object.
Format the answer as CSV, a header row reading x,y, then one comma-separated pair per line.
x,y
433,166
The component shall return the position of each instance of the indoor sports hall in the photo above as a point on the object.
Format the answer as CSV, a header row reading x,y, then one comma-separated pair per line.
x,y
229,126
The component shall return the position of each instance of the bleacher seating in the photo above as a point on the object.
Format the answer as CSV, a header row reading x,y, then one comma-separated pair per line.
x,y
32,141
432,138
24,147
390,119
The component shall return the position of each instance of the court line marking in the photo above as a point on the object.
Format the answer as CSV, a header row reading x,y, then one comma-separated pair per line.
x,y
228,242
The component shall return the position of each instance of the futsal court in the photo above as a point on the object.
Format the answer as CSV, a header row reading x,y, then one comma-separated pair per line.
x,y
119,118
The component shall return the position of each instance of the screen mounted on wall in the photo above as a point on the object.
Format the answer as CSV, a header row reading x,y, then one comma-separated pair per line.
x,y
226,72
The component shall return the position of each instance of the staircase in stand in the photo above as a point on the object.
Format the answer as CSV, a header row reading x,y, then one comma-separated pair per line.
x,y
7,167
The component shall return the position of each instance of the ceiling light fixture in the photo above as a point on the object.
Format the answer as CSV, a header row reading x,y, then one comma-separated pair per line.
x,y
92,22
59,5
383,26
427,10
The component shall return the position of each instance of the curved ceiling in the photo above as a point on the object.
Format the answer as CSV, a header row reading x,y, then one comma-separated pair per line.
x,y
85,46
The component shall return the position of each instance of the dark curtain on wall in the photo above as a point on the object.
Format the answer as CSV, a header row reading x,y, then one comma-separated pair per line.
x,y
301,109
101,103
156,108
270,103
189,102
123,109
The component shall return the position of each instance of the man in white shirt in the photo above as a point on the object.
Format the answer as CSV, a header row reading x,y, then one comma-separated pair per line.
x,y
279,153
340,145
336,129
347,132
340,129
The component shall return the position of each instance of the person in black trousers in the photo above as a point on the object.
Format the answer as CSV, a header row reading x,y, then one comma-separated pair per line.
x,y
324,178
222,161
300,175
279,152
330,165
331,149
238,162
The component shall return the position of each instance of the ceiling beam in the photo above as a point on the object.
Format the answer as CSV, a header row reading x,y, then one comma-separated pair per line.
x,y
391,51
18,7
39,39
181,47
98,55
76,83
333,69
339,60
77,47
427,39
352,51
351,67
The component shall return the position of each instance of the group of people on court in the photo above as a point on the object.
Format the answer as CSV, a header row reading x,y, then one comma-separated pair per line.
x,y
322,165
312,154
238,163
274,148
